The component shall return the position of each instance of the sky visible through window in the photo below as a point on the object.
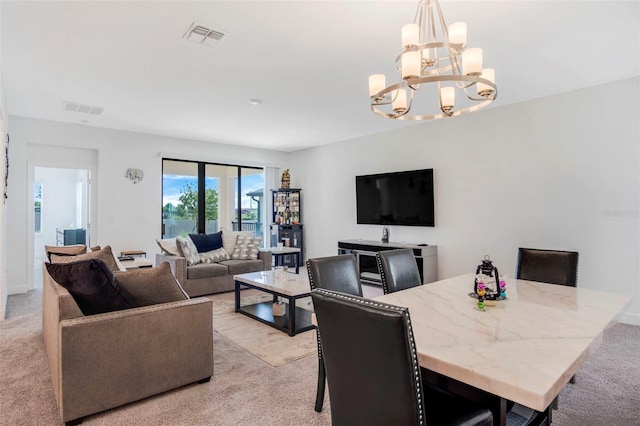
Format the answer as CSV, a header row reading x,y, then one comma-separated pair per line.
x,y
174,184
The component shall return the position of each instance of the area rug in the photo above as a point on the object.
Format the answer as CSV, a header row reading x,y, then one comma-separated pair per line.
x,y
270,345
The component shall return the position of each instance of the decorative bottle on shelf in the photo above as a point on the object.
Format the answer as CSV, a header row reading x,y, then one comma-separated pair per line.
x,y
385,234
287,216
295,240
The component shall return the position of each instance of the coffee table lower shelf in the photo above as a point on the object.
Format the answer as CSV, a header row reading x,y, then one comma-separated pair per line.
x,y
263,312
295,320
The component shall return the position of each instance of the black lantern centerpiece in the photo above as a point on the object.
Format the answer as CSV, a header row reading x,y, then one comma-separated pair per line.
x,y
488,282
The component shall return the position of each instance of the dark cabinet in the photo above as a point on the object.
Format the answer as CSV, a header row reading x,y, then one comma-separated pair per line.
x,y
286,227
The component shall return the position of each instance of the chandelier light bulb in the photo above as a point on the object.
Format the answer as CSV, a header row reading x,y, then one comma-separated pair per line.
x,y
376,83
411,62
458,33
399,104
485,90
472,61
447,99
410,35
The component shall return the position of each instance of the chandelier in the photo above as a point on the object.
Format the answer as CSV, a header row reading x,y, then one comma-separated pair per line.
x,y
434,60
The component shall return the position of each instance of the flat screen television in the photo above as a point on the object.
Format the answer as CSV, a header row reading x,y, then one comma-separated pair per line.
x,y
400,198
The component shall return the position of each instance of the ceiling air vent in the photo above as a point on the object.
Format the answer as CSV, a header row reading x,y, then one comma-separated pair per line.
x,y
85,109
203,35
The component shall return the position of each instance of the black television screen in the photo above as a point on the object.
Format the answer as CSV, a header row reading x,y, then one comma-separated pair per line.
x,y
400,198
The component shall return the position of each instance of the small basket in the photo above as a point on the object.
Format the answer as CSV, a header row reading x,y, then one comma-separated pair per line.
x,y
278,309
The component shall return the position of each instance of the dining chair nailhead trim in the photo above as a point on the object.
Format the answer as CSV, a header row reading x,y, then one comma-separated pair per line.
x,y
412,343
383,278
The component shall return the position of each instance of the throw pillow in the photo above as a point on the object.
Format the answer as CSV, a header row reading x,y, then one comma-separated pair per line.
x,y
246,248
150,286
103,254
214,256
92,285
70,250
207,242
188,250
229,239
169,246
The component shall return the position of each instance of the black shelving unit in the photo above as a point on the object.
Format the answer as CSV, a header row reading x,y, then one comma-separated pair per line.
x,y
286,225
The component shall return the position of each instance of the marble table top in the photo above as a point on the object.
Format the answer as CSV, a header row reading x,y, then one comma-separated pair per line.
x,y
524,349
278,281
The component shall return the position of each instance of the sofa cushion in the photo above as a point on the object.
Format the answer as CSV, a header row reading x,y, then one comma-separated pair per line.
x,y
150,286
169,246
243,266
92,285
188,250
246,248
214,256
103,254
206,270
229,239
207,242
70,250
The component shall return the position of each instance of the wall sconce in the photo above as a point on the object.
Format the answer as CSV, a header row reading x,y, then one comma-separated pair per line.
x,y
134,175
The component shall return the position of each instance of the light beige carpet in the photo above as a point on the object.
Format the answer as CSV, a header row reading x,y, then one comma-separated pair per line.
x,y
267,343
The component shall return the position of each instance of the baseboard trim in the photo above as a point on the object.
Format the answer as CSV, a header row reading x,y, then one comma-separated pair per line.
x,y
629,318
19,290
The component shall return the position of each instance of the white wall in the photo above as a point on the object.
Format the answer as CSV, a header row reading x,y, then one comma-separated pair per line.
x,y
559,172
4,287
128,215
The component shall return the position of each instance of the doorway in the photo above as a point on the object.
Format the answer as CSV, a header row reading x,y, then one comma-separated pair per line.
x,y
61,211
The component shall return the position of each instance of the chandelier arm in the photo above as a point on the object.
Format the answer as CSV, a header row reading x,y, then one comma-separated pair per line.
x,y
441,61
434,79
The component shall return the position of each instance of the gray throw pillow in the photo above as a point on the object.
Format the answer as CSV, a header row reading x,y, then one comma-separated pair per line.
x,y
246,248
150,286
188,250
214,256
92,285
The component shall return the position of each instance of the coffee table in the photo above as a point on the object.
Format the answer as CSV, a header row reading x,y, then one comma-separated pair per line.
x,y
279,284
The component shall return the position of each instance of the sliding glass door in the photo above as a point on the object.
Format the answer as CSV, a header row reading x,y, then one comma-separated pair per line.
x,y
200,197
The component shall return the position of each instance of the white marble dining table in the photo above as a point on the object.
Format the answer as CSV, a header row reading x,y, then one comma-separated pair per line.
x,y
524,349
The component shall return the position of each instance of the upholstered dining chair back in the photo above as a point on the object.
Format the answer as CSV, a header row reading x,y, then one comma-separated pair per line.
x,y
370,360
548,266
337,273
398,270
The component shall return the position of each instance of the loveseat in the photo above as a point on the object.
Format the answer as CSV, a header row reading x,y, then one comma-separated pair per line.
x,y
105,360
214,277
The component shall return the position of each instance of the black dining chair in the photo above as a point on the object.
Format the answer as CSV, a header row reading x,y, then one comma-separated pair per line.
x,y
398,270
338,273
548,266
373,371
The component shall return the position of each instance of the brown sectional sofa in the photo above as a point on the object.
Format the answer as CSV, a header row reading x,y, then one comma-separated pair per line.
x,y
209,278
102,361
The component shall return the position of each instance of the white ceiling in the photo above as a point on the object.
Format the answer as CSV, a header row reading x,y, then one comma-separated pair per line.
x,y
307,60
